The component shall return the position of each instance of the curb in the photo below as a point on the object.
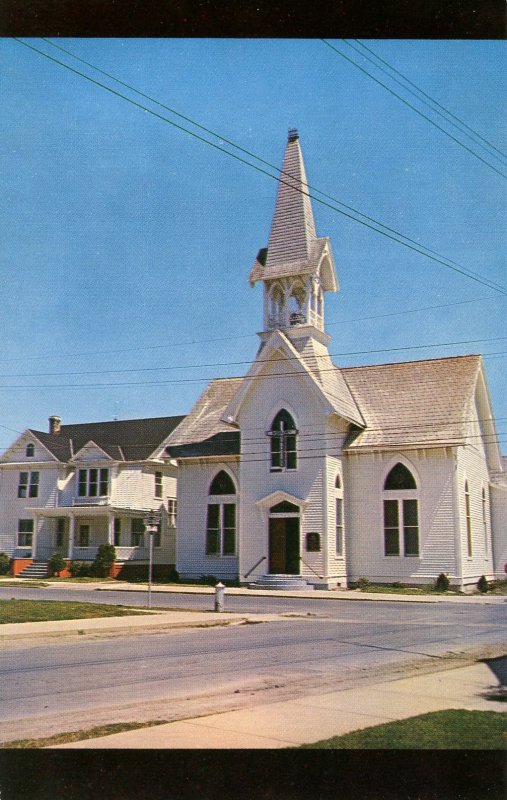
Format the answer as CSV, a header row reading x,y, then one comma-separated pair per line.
x,y
126,625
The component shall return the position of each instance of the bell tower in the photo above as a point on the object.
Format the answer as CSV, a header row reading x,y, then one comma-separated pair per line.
x,y
297,266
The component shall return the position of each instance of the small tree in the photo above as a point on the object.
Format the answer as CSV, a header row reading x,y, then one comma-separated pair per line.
x,y
483,585
104,560
4,564
56,564
442,583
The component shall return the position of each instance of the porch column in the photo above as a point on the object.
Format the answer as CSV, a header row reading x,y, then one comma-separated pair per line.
x,y
72,535
110,530
36,523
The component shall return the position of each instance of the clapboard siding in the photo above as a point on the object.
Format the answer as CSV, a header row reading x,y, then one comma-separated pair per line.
x,y
191,558
364,477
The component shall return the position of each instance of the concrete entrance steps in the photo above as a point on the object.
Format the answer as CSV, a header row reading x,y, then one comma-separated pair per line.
x,y
37,569
285,582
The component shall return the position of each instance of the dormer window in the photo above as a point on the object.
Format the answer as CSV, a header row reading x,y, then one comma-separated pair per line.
x,y
283,436
30,450
93,482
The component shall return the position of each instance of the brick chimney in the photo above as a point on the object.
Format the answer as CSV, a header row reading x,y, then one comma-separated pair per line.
x,y
55,423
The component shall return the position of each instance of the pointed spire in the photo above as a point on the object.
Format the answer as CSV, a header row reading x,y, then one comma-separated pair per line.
x,y
293,228
294,247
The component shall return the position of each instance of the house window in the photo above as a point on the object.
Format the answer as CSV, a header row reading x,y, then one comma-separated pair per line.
x,y
116,531
25,532
283,435
221,517
401,513
28,485
60,532
172,512
137,533
339,516
84,536
30,450
158,484
468,520
93,482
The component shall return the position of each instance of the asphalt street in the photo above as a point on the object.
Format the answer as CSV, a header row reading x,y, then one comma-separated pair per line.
x,y
321,645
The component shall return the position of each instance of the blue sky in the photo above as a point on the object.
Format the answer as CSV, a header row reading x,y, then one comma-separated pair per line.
x,y
127,244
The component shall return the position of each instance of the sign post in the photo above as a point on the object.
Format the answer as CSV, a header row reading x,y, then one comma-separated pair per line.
x,y
152,525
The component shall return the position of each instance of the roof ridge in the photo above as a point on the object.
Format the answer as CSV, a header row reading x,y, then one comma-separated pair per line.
x,y
413,361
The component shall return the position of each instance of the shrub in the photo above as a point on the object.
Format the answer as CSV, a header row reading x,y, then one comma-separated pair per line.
x,y
4,564
104,560
208,580
362,583
483,585
442,583
56,564
79,569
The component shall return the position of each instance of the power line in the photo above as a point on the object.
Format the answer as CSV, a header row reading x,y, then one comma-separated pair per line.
x,y
231,337
498,154
251,154
467,273
432,99
182,381
309,361
420,113
317,433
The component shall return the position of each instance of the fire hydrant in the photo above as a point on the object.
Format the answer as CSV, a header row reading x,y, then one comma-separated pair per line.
x,y
219,597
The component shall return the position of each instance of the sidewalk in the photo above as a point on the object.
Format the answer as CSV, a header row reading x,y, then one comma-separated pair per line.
x,y
309,719
313,594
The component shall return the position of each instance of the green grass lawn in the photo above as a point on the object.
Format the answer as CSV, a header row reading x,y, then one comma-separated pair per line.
x,y
438,730
45,610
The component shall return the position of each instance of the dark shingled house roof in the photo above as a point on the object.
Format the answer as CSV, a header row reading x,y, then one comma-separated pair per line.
x,y
122,440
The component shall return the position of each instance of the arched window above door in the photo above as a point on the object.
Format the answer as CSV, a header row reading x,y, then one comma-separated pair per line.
x,y
284,508
283,435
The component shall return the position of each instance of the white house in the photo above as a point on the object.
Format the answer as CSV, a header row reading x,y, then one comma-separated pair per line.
x,y
305,473
83,485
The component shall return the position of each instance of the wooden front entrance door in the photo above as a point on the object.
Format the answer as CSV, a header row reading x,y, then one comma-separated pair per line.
x,y
284,546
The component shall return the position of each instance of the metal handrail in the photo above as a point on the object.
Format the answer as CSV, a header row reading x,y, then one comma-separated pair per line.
x,y
254,566
320,577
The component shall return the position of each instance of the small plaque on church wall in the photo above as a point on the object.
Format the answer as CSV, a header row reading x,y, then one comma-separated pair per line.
x,y
313,542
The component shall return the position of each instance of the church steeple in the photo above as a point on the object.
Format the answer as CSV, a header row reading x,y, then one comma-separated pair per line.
x,y
297,266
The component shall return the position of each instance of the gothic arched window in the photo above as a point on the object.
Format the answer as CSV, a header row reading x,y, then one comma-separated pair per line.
x,y
401,513
30,450
283,436
221,516
400,478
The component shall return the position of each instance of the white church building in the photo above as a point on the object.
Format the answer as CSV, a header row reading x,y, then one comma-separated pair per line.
x,y
303,473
